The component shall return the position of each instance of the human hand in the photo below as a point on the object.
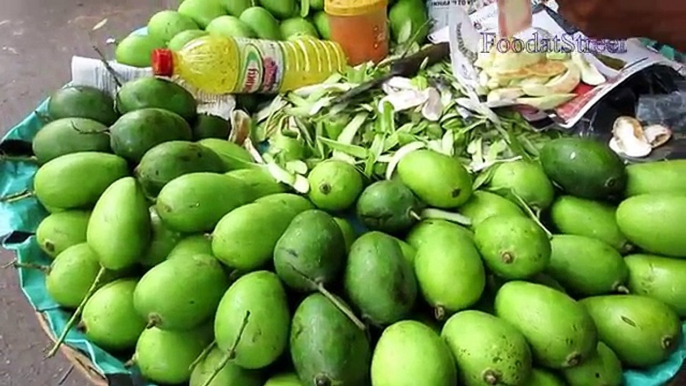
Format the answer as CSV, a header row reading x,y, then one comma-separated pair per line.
x,y
661,20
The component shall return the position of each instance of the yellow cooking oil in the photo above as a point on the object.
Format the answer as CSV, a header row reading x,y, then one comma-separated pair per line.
x,y
223,65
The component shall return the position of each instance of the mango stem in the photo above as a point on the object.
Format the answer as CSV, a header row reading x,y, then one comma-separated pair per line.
x,y
14,197
231,354
39,267
77,313
341,306
202,355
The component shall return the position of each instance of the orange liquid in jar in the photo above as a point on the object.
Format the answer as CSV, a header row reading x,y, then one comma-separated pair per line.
x,y
361,30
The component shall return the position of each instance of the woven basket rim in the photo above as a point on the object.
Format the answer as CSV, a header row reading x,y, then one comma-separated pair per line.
x,y
80,361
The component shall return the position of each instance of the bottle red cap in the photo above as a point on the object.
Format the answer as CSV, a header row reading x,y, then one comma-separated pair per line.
x,y
162,62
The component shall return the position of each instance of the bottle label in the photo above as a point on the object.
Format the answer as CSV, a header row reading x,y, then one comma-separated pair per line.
x,y
262,66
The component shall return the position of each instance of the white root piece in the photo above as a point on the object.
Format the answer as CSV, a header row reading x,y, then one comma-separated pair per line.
x,y
657,135
404,100
629,138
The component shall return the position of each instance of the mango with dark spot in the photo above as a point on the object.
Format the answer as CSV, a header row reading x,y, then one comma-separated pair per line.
x,y
653,327
310,252
603,368
326,347
379,280
173,159
61,230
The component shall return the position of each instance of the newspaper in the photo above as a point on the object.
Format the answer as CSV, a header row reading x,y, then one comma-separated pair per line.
x,y
482,27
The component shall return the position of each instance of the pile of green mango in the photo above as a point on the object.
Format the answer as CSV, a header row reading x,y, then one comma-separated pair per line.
x,y
186,257
258,19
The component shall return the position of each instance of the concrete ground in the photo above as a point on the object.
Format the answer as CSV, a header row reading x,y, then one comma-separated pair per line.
x,y
37,41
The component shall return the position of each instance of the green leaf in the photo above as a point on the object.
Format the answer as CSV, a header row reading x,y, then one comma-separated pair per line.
x,y
349,132
355,151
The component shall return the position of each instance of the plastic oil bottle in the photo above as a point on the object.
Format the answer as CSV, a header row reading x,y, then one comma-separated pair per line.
x,y
223,65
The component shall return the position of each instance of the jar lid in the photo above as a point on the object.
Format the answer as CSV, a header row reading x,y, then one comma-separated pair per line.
x,y
353,7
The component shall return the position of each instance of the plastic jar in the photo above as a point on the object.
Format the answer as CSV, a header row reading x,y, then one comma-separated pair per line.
x,y
360,27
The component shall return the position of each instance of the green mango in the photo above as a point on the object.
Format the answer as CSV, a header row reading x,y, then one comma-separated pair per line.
x,y
656,177
444,257
208,126
136,50
388,206
230,27
202,11
162,241
326,347
169,160
279,8
245,238
255,305
548,281
234,156
310,251
119,227
321,21
138,131
408,351
349,234
230,374
603,368
412,13
297,26
642,331
152,92
513,247
164,25
165,357
192,245
262,22
482,205
540,377
437,179
180,294
583,167
61,230
236,7
476,339
290,200
284,379
652,222
259,181
379,280
72,274
549,313
70,135
334,185
82,102
523,179
109,319
190,203
60,184
409,252
596,219
181,39
660,278
587,266
426,230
